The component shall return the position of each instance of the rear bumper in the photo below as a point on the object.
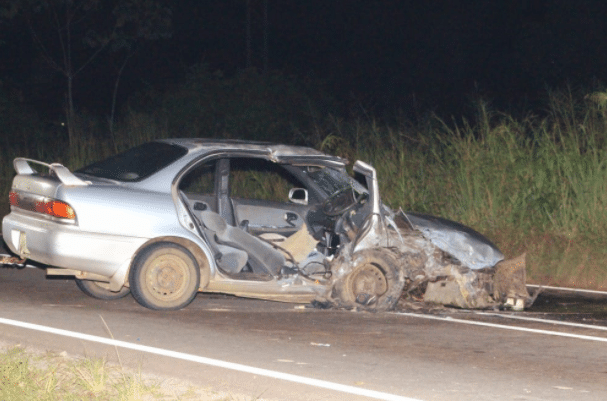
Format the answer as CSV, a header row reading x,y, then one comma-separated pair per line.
x,y
66,246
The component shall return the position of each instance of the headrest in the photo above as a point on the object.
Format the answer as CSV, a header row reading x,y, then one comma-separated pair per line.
x,y
213,221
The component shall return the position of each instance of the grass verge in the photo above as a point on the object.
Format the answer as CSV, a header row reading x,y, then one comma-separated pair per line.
x,y
33,376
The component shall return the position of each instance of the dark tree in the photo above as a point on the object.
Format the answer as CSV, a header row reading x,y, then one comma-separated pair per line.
x,y
69,35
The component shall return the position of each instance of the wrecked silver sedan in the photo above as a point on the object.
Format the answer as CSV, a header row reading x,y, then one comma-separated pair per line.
x,y
170,218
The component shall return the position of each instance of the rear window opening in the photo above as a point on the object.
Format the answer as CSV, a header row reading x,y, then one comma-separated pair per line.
x,y
137,163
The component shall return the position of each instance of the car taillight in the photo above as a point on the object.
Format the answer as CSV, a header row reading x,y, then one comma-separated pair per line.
x,y
56,209
50,207
13,198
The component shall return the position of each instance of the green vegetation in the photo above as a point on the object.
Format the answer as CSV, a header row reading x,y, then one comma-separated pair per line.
x,y
28,376
52,377
530,183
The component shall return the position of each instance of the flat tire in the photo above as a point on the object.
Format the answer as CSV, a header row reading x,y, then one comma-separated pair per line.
x,y
375,282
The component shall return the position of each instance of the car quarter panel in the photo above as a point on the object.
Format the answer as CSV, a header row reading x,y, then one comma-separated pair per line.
x,y
113,222
67,246
120,210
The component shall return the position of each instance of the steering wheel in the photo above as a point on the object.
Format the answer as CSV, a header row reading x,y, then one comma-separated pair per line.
x,y
343,200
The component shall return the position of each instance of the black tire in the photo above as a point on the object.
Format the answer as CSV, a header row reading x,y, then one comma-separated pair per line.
x,y
101,290
375,282
164,276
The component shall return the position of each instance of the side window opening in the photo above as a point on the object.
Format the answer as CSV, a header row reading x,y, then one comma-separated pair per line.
x,y
260,179
361,179
201,180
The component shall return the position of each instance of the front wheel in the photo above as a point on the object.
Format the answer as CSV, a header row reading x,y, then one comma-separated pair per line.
x,y
164,276
374,283
101,290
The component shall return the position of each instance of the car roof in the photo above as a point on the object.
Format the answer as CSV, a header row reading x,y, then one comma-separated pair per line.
x,y
274,151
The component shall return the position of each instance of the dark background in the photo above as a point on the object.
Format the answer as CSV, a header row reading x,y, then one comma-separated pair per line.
x,y
383,56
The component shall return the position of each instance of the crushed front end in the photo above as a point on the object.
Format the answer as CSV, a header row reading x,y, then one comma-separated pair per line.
x,y
385,256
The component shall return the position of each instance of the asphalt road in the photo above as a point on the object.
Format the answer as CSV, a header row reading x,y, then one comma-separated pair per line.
x,y
444,355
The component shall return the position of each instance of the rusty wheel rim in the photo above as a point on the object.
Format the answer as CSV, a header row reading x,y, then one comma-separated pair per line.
x,y
167,277
368,284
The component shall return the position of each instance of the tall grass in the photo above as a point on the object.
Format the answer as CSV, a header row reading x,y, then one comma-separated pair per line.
x,y
537,174
535,184
530,183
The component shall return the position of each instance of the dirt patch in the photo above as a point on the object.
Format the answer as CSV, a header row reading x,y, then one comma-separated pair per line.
x,y
571,307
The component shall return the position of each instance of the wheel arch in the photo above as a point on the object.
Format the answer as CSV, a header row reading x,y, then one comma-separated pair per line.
x,y
204,264
386,261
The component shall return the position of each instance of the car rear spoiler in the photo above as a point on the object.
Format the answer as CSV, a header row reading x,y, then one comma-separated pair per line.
x,y
22,167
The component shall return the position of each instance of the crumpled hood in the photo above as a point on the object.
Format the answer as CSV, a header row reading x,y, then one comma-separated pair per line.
x,y
470,247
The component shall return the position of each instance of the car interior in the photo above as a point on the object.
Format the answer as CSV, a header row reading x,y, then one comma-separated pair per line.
x,y
246,210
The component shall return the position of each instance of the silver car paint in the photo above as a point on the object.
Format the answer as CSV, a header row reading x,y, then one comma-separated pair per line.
x,y
469,247
115,219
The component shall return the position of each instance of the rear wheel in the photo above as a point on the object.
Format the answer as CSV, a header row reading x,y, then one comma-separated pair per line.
x,y
375,282
164,276
99,290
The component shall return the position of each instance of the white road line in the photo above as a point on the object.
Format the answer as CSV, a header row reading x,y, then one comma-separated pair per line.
x,y
502,326
567,289
548,321
213,362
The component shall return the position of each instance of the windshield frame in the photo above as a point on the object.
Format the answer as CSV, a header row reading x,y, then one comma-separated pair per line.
x,y
331,180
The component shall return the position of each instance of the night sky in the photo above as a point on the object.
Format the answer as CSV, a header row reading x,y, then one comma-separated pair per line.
x,y
413,56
